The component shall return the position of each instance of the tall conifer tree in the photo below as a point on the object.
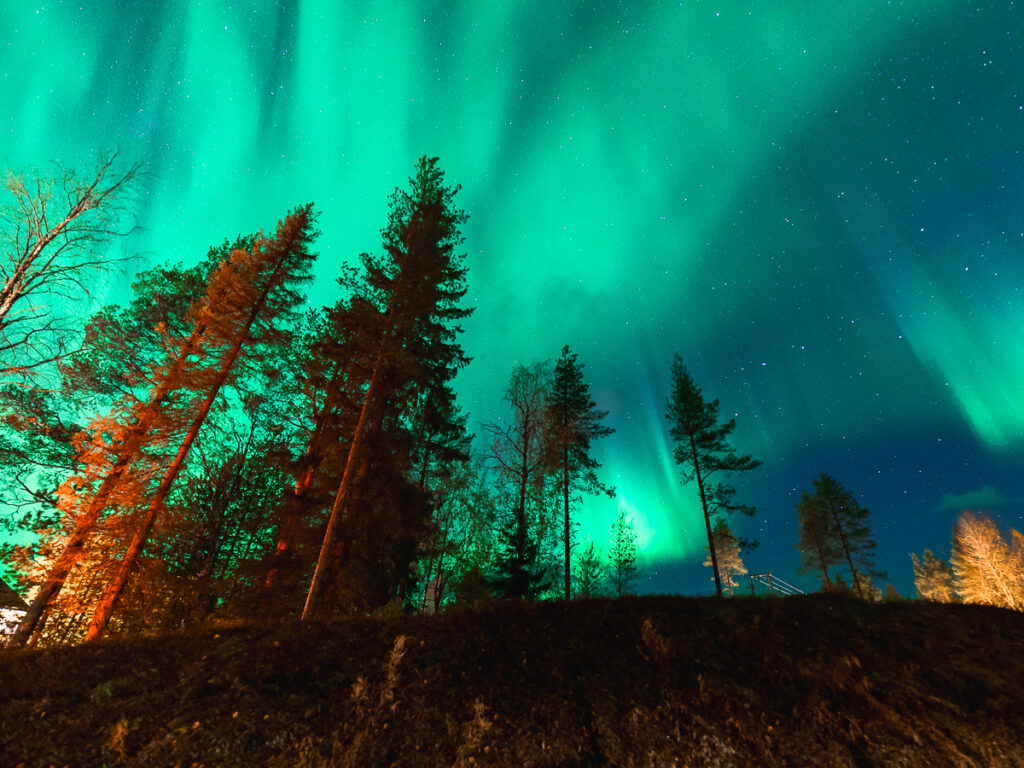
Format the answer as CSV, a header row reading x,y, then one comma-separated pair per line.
x,y
833,528
416,287
703,449
574,421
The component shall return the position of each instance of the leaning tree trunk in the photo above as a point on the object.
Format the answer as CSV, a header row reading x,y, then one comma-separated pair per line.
x,y
86,522
707,518
327,548
846,550
107,604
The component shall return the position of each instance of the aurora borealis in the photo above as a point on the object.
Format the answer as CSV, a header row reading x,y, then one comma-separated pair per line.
x,y
821,208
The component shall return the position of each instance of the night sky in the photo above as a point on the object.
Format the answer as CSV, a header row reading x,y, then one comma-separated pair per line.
x,y
820,206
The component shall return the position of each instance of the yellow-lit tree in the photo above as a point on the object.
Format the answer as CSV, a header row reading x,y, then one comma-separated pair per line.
x,y
986,568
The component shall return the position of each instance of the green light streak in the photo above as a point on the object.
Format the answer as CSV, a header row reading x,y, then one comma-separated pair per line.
x,y
674,176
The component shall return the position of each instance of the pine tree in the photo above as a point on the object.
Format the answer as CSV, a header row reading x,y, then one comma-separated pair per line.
x,y
247,296
986,568
590,572
728,549
817,543
933,578
834,525
574,422
703,449
417,285
622,553
125,366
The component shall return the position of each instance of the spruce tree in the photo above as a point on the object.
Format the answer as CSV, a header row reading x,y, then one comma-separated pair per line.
x,y
416,286
702,449
622,551
574,421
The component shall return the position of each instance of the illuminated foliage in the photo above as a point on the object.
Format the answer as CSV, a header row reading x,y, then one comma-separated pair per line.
x,y
728,549
986,568
933,578
247,296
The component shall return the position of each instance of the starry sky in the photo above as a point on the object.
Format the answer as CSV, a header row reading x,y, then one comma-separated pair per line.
x,y
820,206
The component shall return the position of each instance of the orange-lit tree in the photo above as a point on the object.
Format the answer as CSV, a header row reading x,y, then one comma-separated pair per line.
x,y
249,297
986,568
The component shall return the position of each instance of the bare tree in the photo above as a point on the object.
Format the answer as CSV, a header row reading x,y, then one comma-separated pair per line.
x,y
519,453
55,234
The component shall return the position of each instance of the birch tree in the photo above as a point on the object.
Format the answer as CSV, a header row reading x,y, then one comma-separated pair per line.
x,y
56,236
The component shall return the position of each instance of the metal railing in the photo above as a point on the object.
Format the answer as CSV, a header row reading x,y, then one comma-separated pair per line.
x,y
775,585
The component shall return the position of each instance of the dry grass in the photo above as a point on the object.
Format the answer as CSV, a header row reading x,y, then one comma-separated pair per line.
x,y
645,681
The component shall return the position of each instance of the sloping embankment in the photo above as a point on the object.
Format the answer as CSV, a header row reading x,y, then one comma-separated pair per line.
x,y
658,681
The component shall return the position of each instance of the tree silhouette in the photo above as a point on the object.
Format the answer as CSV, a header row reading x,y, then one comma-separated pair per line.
x,y
834,525
55,237
519,452
573,422
703,449
622,569
416,287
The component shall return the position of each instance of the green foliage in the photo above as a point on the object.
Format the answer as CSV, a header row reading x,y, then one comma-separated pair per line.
x,y
622,555
590,574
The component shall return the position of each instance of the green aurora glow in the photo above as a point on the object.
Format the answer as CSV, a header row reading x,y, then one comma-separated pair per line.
x,y
819,206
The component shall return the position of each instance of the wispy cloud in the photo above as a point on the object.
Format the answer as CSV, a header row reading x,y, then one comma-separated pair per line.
x,y
983,498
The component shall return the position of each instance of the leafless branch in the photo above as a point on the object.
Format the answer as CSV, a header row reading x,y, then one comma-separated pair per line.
x,y
54,238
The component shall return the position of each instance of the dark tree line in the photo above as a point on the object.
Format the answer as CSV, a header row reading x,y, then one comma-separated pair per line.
x,y
209,449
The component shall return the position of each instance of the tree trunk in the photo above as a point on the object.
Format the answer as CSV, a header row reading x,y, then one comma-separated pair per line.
x,y
106,607
824,566
86,522
316,587
568,532
707,517
846,550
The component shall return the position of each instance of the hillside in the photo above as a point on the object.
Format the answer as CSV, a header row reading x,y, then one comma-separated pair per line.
x,y
658,681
